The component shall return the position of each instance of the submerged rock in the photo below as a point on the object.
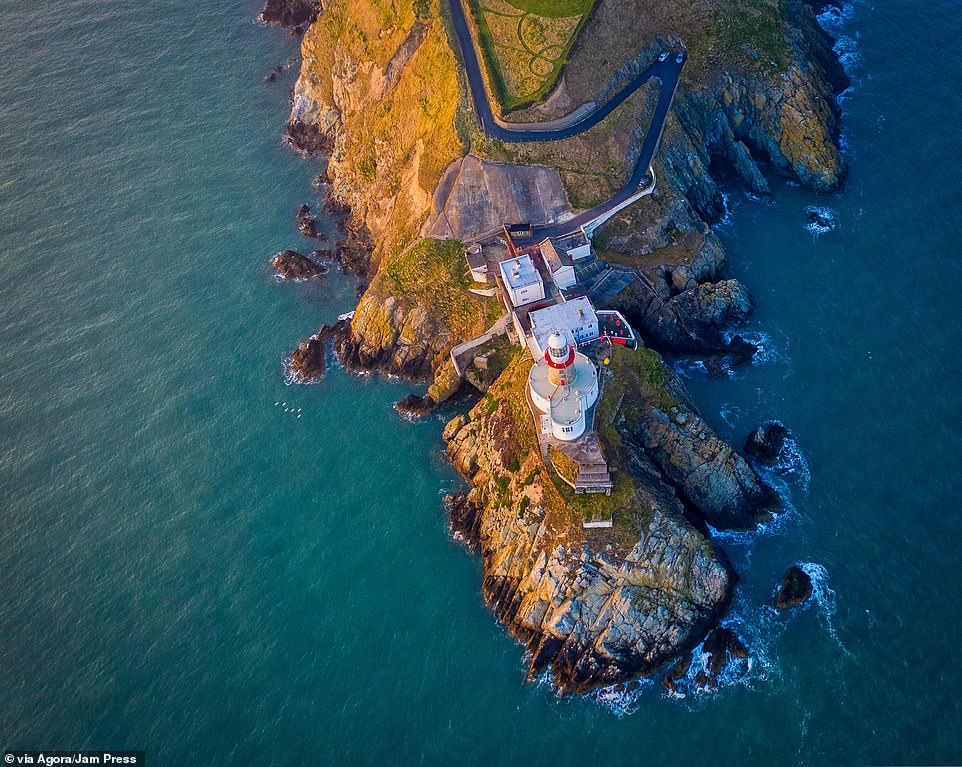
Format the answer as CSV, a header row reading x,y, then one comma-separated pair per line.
x,y
766,442
291,265
796,588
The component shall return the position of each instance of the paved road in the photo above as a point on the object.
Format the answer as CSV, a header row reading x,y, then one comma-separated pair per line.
x,y
666,72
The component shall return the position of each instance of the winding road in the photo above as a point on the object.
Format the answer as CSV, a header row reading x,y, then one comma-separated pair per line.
x,y
666,72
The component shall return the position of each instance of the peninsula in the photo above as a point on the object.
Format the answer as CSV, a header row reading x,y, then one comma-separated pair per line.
x,y
529,189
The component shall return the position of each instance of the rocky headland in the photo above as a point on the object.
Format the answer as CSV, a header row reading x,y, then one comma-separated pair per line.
x,y
382,93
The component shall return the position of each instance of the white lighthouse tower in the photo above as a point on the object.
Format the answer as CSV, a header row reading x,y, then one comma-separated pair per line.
x,y
563,385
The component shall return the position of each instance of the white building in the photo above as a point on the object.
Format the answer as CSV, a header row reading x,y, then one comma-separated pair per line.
x,y
575,319
561,268
477,263
563,385
522,280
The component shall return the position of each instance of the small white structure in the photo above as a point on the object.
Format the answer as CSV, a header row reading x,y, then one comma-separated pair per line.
x,y
477,263
522,280
575,318
563,385
561,269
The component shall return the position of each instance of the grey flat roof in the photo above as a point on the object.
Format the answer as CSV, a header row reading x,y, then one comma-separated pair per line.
x,y
519,272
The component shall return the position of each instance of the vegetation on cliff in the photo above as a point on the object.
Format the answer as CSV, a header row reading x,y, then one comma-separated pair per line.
x,y
599,606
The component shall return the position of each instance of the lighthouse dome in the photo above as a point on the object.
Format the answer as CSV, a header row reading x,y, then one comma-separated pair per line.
x,y
559,344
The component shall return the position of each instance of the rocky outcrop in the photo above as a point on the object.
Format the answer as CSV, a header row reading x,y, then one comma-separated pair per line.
x,y
395,336
708,474
307,222
308,360
290,13
694,320
592,613
766,442
294,266
796,588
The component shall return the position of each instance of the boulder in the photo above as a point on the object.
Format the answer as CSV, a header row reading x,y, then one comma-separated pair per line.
x,y
307,360
416,406
766,442
307,222
796,588
291,265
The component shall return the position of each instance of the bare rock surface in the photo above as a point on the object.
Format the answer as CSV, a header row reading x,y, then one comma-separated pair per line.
x,y
477,196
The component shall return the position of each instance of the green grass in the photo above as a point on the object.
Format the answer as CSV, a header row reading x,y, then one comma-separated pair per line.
x,y
433,273
498,55
554,9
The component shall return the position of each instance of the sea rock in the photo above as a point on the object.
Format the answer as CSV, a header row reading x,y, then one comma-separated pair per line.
x,y
291,265
718,483
307,360
307,222
416,406
796,588
290,13
766,442
677,672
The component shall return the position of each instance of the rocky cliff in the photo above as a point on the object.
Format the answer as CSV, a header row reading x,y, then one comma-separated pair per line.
x,y
380,90
598,607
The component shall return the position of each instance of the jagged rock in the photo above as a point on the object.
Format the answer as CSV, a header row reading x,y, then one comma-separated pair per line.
x,y
677,672
291,265
307,222
446,383
307,360
694,320
417,406
593,616
766,442
290,13
796,588
709,475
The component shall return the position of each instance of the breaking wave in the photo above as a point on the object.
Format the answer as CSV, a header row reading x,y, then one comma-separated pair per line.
x,y
821,220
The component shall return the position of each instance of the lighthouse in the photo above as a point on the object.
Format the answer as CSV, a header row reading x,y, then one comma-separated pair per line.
x,y
563,386
560,356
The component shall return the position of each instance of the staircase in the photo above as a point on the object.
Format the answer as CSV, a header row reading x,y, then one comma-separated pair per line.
x,y
593,478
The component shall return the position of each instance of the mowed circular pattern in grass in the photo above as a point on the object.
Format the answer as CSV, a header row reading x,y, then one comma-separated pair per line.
x,y
554,9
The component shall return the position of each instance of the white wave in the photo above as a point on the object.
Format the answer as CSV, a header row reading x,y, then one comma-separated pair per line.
x,y
824,597
792,463
821,220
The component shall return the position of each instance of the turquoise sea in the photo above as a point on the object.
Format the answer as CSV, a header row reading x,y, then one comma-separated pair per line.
x,y
190,570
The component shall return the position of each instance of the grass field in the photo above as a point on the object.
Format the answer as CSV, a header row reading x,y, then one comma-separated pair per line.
x,y
525,44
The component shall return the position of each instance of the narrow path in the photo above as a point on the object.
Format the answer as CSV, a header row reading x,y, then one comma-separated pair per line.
x,y
666,72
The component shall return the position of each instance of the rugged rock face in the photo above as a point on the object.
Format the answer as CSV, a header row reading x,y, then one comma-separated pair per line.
x,y
595,615
766,442
290,13
396,336
291,265
709,475
795,589
307,222
693,320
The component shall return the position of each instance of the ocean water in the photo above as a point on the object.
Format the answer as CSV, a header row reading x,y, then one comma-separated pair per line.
x,y
190,570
